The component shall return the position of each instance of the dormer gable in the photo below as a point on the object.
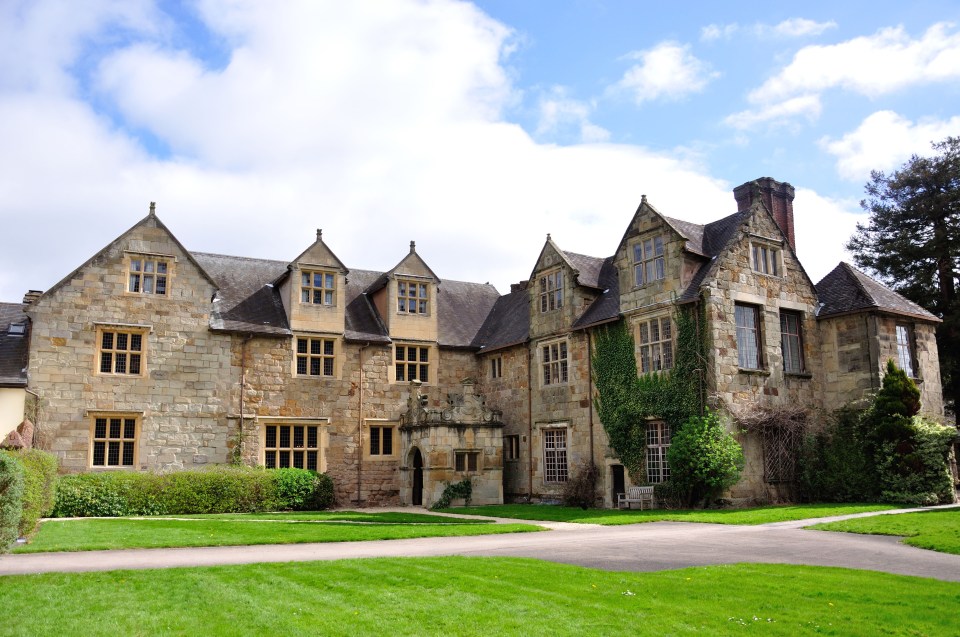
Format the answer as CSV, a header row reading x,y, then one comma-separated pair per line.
x,y
562,286
406,298
313,289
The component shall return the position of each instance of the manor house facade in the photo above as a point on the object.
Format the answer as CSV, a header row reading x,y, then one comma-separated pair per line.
x,y
152,357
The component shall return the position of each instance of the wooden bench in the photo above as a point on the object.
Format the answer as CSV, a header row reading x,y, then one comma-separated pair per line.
x,y
640,495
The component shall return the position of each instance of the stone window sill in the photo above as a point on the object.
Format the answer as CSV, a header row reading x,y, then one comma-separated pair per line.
x,y
756,372
799,375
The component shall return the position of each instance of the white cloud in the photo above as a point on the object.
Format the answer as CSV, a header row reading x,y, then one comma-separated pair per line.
x,y
666,71
379,126
884,141
777,114
791,28
887,61
558,112
813,214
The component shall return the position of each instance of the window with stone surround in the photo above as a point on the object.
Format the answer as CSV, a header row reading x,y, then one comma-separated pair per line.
x,y
511,447
553,362
496,367
296,446
148,274
316,356
648,261
655,342
411,362
318,287
555,455
748,336
791,341
551,290
905,351
380,440
113,440
765,259
121,351
413,297
658,442
466,461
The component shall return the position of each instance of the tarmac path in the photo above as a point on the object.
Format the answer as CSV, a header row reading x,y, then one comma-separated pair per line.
x,y
651,546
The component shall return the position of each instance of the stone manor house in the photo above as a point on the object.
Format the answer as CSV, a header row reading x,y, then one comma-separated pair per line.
x,y
150,356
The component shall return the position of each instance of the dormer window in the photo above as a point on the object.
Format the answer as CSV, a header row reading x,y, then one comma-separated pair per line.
x,y
318,287
412,297
148,275
551,291
648,261
17,329
765,259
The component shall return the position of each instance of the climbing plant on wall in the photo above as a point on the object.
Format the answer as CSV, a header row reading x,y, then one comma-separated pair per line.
x,y
625,400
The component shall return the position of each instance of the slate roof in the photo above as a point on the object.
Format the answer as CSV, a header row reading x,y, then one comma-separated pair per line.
x,y
847,289
249,302
607,306
713,238
507,323
14,350
588,269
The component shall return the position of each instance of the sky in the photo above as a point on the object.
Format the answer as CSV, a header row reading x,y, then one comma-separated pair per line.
x,y
472,129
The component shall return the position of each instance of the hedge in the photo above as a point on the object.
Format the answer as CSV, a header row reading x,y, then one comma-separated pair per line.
x,y
39,486
11,500
219,489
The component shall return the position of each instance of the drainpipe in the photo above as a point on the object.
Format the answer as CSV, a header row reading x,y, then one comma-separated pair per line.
x,y
360,426
243,386
529,424
590,391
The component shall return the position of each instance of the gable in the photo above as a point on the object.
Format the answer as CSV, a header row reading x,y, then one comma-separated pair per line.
x,y
319,254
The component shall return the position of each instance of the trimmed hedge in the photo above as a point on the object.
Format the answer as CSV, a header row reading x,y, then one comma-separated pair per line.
x,y
220,489
39,486
11,500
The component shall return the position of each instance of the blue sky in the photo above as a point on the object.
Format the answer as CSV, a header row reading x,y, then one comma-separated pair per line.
x,y
474,129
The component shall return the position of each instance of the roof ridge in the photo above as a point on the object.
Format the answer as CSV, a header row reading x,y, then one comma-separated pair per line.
x,y
233,256
854,273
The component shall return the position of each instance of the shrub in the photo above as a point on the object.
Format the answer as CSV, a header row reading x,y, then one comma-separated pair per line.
x,y
704,459
462,489
834,465
39,486
668,495
915,470
11,500
581,489
219,489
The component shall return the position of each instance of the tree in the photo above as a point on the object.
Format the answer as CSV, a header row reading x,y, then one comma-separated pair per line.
x,y
704,459
912,241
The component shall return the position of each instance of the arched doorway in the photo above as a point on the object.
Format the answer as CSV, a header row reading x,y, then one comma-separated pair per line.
x,y
416,497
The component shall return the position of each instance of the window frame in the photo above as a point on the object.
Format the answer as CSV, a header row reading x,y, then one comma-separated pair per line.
x,y
655,356
800,364
556,463
511,447
551,366
496,367
648,257
743,331
322,291
115,352
380,453
658,440
423,367
466,461
292,448
419,300
121,439
765,258
550,290
308,356
142,259
904,336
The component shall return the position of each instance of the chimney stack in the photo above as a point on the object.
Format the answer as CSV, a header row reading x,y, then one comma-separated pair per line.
x,y
31,297
777,196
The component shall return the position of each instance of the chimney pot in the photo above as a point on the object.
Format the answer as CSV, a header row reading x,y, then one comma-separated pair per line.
x,y
777,196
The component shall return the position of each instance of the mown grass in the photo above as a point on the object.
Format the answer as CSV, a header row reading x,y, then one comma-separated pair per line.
x,y
935,530
234,529
758,515
476,596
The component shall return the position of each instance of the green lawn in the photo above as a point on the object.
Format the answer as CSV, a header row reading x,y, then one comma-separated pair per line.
x,y
235,529
476,596
936,530
758,515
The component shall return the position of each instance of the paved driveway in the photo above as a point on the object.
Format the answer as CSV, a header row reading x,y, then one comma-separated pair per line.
x,y
638,547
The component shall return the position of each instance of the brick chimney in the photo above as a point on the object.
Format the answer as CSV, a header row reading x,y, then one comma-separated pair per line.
x,y
777,196
519,287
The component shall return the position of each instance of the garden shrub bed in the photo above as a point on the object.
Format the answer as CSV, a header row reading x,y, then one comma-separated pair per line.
x,y
220,489
39,486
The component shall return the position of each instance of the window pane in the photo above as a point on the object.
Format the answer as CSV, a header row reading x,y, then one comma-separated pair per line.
x,y
284,437
99,453
374,441
134,363
271,437
284,457
424,374
106,363
136,342
298,436
400,371
314,366
387,440
328,280
107,340
115,427
401,351
311,437
301,364
312,460
328,367
121,341
315,345
130,428
270,459
128,454
100,428
298,459
113,454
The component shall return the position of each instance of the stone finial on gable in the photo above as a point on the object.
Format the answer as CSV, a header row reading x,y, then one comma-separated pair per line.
x,y
319,234
643,199
153,208
413,247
